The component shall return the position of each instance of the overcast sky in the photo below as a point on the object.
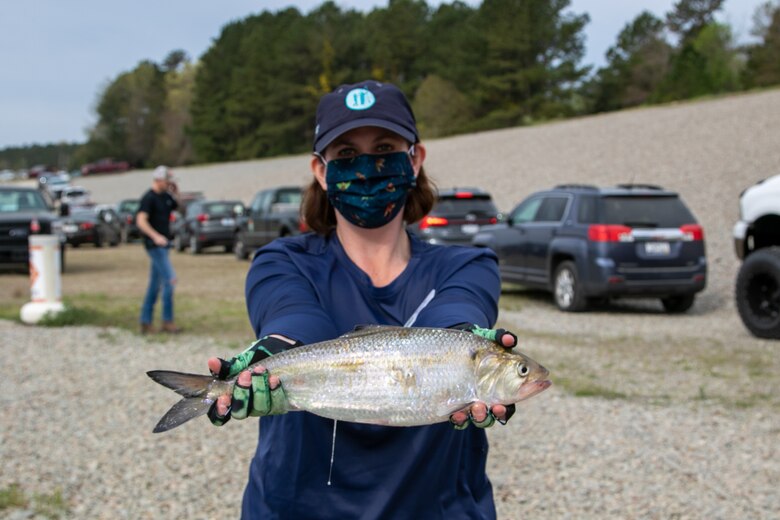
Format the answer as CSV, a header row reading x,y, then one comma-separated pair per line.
x,y
56,55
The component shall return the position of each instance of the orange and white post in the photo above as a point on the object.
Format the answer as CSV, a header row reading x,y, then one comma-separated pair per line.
x,y
45,280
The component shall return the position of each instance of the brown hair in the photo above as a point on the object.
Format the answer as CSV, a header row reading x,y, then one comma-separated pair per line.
x,y
320,216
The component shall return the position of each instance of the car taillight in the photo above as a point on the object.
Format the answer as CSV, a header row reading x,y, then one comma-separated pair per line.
x,y
464,195
493,220
86,226
172,218
609,233
428,222
130,219
692,232
203,217
35,226
302,227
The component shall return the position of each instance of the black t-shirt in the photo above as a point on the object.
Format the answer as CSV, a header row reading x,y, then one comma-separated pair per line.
x,y
158,206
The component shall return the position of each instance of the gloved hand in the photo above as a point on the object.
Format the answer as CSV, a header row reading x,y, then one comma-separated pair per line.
x,y
255,393
461,420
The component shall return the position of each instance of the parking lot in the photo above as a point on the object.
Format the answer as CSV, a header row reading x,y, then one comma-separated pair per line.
x,y
650,415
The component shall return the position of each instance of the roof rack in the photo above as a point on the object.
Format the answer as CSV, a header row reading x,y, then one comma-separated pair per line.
x,y
640,186
576,187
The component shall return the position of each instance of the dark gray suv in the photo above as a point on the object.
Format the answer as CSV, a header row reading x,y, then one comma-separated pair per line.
x,y
458,215
582,242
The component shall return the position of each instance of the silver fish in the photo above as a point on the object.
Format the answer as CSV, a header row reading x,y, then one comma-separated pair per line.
x,y
393,376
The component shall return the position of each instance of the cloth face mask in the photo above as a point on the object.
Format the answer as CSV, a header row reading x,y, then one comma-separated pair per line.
x,y
370,190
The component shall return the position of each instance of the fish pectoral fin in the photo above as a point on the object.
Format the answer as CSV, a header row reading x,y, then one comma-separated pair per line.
x,y
186,409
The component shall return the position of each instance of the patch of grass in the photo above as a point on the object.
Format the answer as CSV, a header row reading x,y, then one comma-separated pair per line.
x,y
224,319
51,505
70,316
12,497
586,388
46,505
594,390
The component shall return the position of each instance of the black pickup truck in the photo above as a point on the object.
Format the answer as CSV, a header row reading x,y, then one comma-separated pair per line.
x,y
272,214
25,211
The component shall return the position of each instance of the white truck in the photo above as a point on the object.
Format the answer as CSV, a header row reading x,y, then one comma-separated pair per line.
x,y
757,243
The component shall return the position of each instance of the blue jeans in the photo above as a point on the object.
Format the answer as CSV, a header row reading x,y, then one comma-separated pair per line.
x,y
160,276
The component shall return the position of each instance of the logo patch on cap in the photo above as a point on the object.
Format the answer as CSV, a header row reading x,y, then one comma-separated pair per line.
x,y
359,99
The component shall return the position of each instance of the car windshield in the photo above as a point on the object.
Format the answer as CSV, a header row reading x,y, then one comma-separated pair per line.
x,y
13,201
456,206
289,197
129,206
650,212
222,209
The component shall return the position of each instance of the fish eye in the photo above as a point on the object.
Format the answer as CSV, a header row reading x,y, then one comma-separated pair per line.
x,y
522,370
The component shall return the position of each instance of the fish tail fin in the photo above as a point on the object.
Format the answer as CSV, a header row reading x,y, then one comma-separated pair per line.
x,y
186,409
187,385
194,388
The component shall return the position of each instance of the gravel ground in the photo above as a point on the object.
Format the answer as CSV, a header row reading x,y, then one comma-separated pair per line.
x,y
689,438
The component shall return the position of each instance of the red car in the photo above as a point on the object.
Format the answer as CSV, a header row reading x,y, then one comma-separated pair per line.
x,y
105,166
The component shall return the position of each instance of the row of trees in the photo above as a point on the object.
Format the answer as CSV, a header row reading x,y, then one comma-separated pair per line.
x,y
503,63
644,66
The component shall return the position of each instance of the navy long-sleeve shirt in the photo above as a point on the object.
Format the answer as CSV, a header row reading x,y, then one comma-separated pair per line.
x,y
308,289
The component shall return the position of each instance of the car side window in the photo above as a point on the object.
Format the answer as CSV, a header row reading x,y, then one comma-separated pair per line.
x,y
526,211
260,202
551,209
586,213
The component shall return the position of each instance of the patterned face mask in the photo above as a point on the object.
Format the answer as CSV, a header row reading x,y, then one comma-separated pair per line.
x,y
370,190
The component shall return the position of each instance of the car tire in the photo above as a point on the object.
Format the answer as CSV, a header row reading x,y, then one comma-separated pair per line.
x,y
195,247
678,304
98,240
239,249
567,290
178,243
758,293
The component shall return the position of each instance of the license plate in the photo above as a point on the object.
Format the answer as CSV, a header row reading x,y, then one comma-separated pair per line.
x,y
657,248
469,229
70,228
228,222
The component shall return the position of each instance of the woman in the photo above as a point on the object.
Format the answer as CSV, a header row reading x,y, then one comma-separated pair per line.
x,y
362,267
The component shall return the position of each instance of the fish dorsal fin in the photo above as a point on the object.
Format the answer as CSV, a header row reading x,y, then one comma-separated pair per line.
x,y
368,330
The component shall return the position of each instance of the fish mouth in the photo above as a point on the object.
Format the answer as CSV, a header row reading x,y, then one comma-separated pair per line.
x,y
531,388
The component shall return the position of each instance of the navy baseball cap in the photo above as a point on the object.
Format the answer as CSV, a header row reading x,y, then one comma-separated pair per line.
x,y
368,103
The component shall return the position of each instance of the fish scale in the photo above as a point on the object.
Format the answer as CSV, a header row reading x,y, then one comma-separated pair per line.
x,y
396,376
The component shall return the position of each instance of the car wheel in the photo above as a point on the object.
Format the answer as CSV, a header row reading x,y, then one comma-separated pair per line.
x,y
758,293
98,240
239,249
195,247
678,304
567,290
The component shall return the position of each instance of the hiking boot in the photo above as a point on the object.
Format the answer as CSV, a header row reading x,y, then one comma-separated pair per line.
x,y
146,328
170,328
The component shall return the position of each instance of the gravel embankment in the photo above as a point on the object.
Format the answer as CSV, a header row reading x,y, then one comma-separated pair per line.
x,y
78,407
78,413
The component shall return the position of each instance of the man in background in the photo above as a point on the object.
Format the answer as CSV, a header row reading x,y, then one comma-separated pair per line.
x,y
153,220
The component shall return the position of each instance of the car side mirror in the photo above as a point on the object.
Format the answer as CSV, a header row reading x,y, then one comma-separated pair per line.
x,y
64,210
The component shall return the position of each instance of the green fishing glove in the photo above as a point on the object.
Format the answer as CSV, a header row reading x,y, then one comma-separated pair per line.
x,y
495,335
258,398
